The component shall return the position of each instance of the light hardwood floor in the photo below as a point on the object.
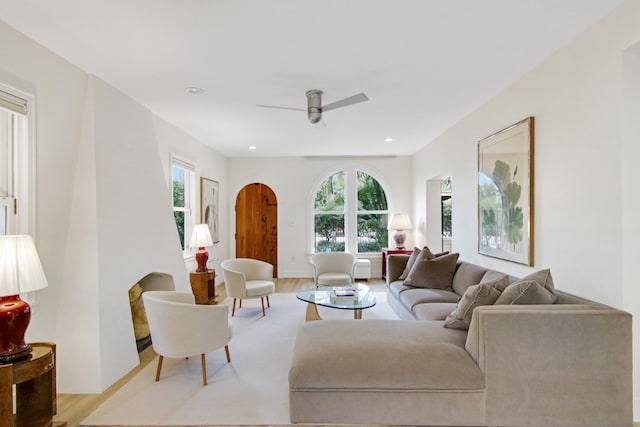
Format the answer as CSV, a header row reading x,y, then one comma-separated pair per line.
x,y
73,408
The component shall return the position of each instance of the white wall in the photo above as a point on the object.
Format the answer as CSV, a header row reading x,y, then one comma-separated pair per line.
x,y
209,164
585,173
104,217
294,181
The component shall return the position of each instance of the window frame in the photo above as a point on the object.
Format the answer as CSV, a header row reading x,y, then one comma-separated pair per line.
x,y
23,159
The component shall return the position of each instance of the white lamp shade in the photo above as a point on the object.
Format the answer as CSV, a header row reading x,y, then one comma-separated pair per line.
x,y
400,221
20,267
201,236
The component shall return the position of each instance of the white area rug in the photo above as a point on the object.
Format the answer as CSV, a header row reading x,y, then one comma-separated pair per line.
x,y
251,390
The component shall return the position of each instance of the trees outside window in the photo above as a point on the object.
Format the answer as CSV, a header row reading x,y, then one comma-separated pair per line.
x,y
329,214
343,222
372,214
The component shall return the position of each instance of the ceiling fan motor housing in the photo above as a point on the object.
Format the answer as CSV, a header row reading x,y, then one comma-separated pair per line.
x,y
314,105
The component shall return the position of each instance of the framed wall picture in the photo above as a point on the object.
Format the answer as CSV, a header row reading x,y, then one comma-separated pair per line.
x,y
505,193
209,206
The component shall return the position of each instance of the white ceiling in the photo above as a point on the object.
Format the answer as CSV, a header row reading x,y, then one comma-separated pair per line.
x,y
424,64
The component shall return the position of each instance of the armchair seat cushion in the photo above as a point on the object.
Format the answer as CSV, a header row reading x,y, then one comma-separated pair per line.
x,y
257,288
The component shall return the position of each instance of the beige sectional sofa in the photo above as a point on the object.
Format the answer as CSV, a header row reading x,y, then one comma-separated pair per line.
x,y
561,364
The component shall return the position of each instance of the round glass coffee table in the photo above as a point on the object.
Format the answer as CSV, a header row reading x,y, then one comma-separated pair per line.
x,y
322,296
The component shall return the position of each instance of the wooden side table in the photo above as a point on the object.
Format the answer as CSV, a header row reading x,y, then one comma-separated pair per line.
x,y
35,381
203,286
389,251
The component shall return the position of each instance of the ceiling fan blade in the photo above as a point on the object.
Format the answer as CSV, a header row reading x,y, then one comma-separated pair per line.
x,y
361,97
282,108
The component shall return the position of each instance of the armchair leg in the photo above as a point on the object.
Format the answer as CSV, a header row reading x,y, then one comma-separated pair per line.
x,y
226,350
268,303
240,303
233,310
160,358
262,301
204,369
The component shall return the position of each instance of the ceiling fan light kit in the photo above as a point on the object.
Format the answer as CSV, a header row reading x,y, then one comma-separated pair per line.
x,y
315,107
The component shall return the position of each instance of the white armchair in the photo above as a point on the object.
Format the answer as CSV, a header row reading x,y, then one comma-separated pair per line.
x,y
333,268
248,278
180,328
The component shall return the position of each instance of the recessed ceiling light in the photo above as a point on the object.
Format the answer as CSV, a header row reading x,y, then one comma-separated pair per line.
x,y
388,140
252,147
194,90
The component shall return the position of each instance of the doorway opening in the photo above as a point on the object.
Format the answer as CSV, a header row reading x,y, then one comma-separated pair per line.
x,y
439,212
445,212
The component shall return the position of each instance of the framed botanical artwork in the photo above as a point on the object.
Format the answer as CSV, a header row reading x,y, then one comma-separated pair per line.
x,y
505,193
209,206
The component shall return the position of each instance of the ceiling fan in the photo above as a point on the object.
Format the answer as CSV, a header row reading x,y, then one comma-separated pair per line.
x,y
314,104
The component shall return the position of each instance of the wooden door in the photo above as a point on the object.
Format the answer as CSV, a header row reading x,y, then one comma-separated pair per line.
x,y
257,224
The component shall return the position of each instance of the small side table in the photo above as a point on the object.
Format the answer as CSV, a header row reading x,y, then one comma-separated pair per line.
x,y
389,251
35,381
203,286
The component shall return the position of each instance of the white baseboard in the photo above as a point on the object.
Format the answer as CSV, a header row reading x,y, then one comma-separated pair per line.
x,y
636,409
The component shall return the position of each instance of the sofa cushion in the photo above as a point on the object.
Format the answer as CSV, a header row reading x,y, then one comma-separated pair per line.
x,y
433,273
397,287
526,292
411,297
413,356
437,311
475,295
467,274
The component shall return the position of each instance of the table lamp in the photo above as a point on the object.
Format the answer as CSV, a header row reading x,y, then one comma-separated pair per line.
x,y
400,222
20,272
200,238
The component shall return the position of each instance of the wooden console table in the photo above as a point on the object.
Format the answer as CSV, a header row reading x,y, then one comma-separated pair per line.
x,y
388,251
35,379
203,286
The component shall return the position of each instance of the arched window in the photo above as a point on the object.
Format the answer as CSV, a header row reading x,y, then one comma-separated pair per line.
x,y
350,214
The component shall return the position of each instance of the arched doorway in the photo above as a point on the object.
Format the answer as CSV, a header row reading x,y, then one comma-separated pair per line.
x,y
257,224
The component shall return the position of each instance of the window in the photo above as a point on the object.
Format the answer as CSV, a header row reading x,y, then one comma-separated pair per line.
x,y
329,215
372,215
16,162
182,180
346,223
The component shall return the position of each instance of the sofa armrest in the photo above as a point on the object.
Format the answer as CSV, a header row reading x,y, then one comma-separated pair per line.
x,y
568,364
395,266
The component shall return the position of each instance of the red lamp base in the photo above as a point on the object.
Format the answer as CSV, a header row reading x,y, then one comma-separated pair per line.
x,y
15,315
201,258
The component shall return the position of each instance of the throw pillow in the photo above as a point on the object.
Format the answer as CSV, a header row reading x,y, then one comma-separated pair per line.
x,y
475,295
410,262
526,292
543,278
434,273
